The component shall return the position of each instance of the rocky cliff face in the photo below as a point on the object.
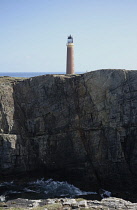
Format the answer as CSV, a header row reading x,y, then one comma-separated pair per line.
x,y
82,125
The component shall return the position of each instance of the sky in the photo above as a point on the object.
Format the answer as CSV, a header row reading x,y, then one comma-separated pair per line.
x,y
33,34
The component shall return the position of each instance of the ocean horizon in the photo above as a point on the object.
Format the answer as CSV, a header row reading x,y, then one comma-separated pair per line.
x,y
30,74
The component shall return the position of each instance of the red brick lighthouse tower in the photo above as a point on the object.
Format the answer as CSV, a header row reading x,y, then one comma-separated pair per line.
x,y
70,56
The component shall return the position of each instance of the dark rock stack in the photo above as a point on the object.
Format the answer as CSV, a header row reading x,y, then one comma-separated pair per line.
x,y
83,127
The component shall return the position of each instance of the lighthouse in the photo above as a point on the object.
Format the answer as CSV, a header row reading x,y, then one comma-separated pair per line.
x,y
70,56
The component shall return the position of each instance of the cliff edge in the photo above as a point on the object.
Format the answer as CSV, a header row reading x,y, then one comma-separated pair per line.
x,y
82,125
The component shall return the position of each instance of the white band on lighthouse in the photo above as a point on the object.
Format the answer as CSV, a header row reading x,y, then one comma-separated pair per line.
x,y
70,45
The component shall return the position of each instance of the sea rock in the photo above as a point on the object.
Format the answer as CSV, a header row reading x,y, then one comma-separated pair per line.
x,y
84,127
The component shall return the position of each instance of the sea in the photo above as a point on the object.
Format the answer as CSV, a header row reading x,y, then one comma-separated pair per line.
x,y
30,74
41,189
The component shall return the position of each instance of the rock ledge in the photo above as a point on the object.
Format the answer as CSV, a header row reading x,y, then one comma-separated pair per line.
x,y
110,203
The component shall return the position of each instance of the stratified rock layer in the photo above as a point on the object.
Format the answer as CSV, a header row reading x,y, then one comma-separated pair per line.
x,y
82,125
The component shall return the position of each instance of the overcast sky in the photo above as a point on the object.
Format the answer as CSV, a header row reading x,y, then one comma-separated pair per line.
x,y
33,34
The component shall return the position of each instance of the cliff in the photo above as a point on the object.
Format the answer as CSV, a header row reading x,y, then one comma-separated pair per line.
x,y
84,126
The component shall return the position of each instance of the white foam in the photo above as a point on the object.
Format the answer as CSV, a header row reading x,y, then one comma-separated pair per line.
x,y
12,192
2,198
29,190
6,183
57,188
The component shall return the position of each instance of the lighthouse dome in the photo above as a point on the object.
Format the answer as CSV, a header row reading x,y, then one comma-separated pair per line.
x,y
70,39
